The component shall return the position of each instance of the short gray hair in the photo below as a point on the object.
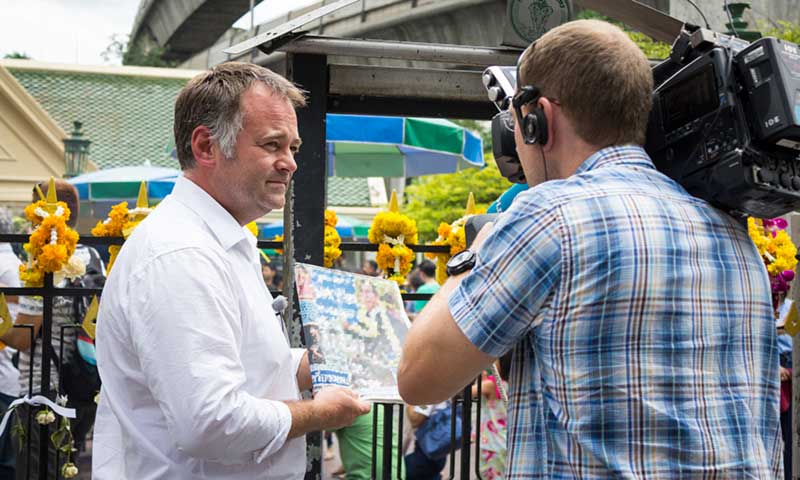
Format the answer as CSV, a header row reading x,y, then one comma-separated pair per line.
x,y
212,99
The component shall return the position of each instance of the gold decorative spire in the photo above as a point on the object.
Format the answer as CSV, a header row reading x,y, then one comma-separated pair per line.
x,y
5,316
393,205
90,319
470,204
142,201
51,203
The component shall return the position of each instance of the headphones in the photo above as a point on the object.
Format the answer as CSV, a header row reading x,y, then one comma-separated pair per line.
x,y
533,125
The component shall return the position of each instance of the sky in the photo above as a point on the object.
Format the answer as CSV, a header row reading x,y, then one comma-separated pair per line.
x,y
78,31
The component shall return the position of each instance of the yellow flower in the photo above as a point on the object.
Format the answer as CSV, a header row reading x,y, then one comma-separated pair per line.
x,y
454,236
113,225
50,245
392,231
330,218
332,240
778,251
31,277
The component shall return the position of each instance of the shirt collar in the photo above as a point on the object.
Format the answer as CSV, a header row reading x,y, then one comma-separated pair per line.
x,y
219,221
626,154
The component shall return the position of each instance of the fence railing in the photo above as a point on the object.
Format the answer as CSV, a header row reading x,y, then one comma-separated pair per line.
x,y
48,291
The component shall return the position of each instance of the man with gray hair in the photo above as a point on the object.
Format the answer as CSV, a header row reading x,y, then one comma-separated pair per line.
x,y
199,381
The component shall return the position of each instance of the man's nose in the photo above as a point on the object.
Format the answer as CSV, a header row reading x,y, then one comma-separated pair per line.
x,y
287,162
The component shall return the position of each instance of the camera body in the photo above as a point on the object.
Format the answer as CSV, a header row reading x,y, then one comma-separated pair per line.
x,y
725,122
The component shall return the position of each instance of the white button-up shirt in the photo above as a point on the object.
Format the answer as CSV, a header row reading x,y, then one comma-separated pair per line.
x,y
194,362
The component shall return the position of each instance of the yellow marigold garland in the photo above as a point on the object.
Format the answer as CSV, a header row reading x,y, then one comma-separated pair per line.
x,y
332,239
121,222
112,227
454,235
52,242
393,231
778,252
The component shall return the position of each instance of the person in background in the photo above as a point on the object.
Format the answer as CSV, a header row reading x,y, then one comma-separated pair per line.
x,y
427,274
418,465
268,272
370,268
9,375
494,412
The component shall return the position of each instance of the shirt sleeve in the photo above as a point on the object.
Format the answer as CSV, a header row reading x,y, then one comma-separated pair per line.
x,y
186,329
517,271
297,357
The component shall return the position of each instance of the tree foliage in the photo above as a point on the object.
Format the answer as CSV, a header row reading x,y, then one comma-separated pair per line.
x,y
654,50
17,56
121,49
433,199
784,30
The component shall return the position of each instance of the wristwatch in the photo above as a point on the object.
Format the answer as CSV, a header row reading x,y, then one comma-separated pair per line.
x,y
461,262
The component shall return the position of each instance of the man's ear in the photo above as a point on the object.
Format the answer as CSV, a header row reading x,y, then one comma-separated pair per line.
x,y
205,151
549,112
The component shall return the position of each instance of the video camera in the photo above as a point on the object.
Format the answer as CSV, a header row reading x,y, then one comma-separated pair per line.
x,y
725,122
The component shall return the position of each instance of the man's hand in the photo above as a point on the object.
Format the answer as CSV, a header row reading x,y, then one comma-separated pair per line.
x,y
331,408
339,407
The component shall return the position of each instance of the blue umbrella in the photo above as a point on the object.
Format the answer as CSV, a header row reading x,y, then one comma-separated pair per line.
x,y
347,227
123,183
367,146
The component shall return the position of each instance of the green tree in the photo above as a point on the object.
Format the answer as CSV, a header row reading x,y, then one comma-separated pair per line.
x,y
654,50
784,30
433,199
17,56
121,49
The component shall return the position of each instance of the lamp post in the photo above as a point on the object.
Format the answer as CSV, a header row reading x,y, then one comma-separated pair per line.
x,y
76,151
738,26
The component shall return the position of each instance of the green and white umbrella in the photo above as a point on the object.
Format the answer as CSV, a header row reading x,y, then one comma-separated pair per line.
x,y
368,146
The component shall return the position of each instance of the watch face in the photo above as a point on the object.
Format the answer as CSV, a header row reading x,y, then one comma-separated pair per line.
x,y
460,257
461,262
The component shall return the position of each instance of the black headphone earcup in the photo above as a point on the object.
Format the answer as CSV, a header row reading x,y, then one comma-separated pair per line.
x,y
534,127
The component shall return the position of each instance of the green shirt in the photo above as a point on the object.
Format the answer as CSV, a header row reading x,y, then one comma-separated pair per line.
x,y
431,287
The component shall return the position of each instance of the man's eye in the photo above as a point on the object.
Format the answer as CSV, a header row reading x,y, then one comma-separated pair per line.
x,y
271,145
294,150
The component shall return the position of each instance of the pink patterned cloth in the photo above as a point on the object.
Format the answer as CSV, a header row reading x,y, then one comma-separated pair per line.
x,y
493,435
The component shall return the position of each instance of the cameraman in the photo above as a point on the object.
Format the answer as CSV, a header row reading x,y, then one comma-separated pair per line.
x,y
639,317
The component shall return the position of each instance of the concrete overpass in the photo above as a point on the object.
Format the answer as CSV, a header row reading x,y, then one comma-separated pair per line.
x,y
195,32
462,22
184,27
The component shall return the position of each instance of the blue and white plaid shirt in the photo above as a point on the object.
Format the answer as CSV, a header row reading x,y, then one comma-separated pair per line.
x,y
640,318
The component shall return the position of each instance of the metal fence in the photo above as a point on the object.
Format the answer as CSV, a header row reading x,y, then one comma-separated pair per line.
x,y
392,413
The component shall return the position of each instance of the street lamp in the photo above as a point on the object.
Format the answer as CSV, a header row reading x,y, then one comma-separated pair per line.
x,y
76,151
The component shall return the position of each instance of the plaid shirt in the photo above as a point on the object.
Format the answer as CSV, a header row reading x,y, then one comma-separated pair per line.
x,y
640,318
